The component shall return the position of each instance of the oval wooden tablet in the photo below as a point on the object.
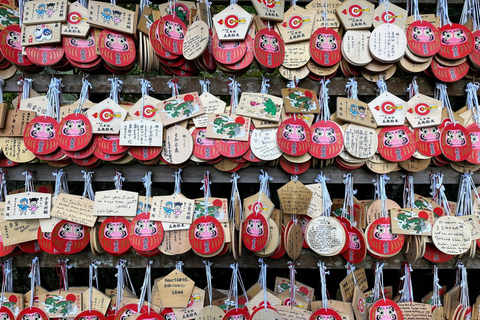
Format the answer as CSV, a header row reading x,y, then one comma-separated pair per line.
x,y
354,47
385,309
451,235
206,235
255,232
360,141
456,41
178,145
387,43
296,55
423,38
269,48
11,47
474,55
455,143
196,40
327,140
293,137
117,49
396,143
449,74
263,143
39,135
325,235
325,44
381,241
294,240
175,242
15,150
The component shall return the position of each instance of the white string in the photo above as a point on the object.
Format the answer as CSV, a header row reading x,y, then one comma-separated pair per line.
x,y
381,84
378,288
206,190
208,272
442,12
436,301
178,180
263,284
408,191
383,195
234,90
118,180
326,200
438,191
352,89
264,180
28,181
385,7
87,187
292,83
60,183
120,284
412,89
235,196
147,183
323,283
407,290
204,85
293,283
27,85
145,287
209,14
3,185
416,12
173,85
323,98
83,93
146,86
115,87
441,90
92,275
348,208
53,95
33,278
324,13
179,265
265,85
1,89
7,283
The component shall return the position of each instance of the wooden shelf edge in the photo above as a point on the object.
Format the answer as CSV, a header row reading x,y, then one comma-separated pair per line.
x,y
308,260
194,174
131,84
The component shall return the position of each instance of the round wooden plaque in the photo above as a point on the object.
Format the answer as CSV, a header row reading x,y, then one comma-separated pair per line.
x,y
451,235
325,235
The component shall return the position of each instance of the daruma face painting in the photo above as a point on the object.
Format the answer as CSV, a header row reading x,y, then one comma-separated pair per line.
x,y
396,143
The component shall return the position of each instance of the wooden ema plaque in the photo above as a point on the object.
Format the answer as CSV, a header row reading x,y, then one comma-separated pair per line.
x,y
69,237
325,235
298,100
355,45
39,135
196,40
297,25
293,137
387,43
327,140
263,143
424,111
395,15
232,23
423,38
228,127
357,247
180,108
11,45
106,117
269,48
76,24
360,141
296,55
41,12
385,309
355,111
380,239
141,133
28,205
454,142
206,235
178,146
388,110
396,143
456,41
255,232
356,14
260,106
474,132
113,17
451,235
317,6
41,34
203,147
325,47
412,221
270,9
294,198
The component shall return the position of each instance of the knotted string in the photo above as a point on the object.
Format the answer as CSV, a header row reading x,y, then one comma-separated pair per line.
x,y
407,290
34,275
378,288
351,88
208,272
115,88
436,301
178,180
293,286
147,183
265,85
412,89
29,187
383,195
83,93
442,95
234,90
62,271
3,185
121,266
323,99
408,192
146,87
146,287
381,84
204,85
1,89
323,283
263,284
87,187
92,275
206,190
442,12
60,183
235,196
438,191
326,200
173,85
118,180
348,211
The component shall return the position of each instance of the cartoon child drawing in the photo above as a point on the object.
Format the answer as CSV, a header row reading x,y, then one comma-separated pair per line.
x,y
168,209
40,10
116,17
178,209
107,15
33,205
23,206
139,207
50,9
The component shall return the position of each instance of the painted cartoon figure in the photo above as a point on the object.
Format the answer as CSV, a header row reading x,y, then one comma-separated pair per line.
x,y
206,231
429,134
173,30
294,132
43,131
255,227
83,43
33,205
178,108
177,210
145,228
384,232
455,138
237,317
269,43
71,231
423,34
13,40
325,317
115,230
74,128
324,135
107,15
43,32
453,37
354,242
168,209
41,10
116,42
203,140
225,125
475,138
23,206
477,43
32,316
326,42
300,101
270,110
182,11
395,138
385,313
116,17
50,9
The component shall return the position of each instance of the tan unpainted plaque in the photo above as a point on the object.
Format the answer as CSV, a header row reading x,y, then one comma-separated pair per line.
x,y
292,312
178,145
415,165
409,66
375,76
325,236
355,47
76,24
211,104
112,17
175,289
360,141
196,40
294,197
388,43
194,306
232,23
260,106
349,284
115,203
317,6
150,111
297,25
210,313
395,15
36,12
321,70
296,54
141,133
28,205
374,209
174,208
74,208
294,74
175,242
388,110
264,145
258,203
41,34
293,241
14,232
451,235
416,310
106,117
356,14
355,111
283,284
36,104
424,111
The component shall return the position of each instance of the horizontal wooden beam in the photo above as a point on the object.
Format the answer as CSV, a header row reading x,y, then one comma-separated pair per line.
x,y
305,2
219,86
307,260
194,174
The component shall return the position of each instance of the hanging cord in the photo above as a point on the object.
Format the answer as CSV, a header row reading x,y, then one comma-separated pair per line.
x,y
381,84
234,90
1,89
264,180
34,276
3,185
146,288
438,191
265,85
147,183
7,283
54,98
173,85
472,101
87,187
204,85
436,301
120,283
60,183
293,286
383,179
378,288
442,95
466,189
351,88
92,275
146,87
118,180
323,99
29,187
233,292
235,196
323,282
348,210
208,272
442,12
292,84
464,294
206,191
412,89
179,265
263,284
115,88
62,271
408,191
407,290
178,180
83,94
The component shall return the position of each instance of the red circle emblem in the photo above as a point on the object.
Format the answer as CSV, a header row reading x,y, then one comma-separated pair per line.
x,y
355,10
74,17
295,22
231,21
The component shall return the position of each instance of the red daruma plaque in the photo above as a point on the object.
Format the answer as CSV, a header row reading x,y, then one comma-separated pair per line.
x,y
145,234
325,47
269,48
206,235
113,235
39,135
69,237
